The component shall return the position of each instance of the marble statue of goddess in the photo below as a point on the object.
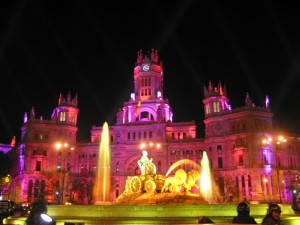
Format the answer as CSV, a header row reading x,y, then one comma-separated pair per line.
x,y
146,165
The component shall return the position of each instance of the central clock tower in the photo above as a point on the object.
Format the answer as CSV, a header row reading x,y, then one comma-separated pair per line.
x,y
148,77
147,102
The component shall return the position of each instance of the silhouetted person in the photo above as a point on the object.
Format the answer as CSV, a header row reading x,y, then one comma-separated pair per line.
x,y
273,215
204,219
243,210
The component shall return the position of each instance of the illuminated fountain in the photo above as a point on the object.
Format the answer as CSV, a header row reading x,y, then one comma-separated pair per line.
x,y
191,187
101,189
206,186
153,198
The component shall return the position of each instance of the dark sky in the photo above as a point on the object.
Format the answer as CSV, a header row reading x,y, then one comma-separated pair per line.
x,y
90,48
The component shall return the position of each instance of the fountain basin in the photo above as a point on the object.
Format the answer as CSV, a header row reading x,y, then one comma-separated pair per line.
x,y
153,214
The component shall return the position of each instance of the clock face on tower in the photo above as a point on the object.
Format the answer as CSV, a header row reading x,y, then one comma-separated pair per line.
x,y
146,67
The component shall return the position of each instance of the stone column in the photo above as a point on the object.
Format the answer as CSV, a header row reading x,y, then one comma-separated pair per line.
x,y
265,187
247,187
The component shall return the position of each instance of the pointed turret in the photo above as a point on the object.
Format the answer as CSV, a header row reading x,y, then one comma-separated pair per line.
x,y
215,99
66,111
267,102
248,101
25,118
220,88
210,87
60,98
139,57
13,141
32,114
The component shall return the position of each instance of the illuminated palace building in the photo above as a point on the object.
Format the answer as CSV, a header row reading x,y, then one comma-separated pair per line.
x,y
248,159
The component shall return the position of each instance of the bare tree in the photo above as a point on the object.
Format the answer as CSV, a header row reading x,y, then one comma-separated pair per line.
x,y
82,187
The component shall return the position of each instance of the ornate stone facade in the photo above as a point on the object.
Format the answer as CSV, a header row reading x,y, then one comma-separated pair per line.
x,y
242,166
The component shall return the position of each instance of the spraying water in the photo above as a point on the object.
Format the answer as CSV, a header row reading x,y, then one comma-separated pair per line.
x,y
205,179
181,162
103,174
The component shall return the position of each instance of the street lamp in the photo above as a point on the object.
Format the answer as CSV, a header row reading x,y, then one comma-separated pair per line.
x,y
150,146
63,147
278,141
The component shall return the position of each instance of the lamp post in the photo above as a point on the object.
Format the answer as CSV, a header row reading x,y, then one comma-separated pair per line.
x,y
63,147
279,141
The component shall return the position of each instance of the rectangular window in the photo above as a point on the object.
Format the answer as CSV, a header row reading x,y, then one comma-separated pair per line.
x,y
241,160
62,116
38,166
220,162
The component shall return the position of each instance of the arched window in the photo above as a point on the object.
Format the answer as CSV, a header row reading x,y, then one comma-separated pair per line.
x,y
43,187
36,188
221,185
117,190
29,193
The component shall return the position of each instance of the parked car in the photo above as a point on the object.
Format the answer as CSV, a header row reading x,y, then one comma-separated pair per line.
x,y
7,207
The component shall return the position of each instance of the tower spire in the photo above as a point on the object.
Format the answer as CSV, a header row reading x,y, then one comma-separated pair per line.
x,y
248,101
32,113
267,102
60,98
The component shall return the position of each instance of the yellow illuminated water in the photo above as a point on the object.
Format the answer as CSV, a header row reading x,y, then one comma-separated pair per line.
x,y
103,174
206,186
182,162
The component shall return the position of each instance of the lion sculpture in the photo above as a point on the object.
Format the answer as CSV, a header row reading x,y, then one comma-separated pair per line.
x,y
181,181
192,177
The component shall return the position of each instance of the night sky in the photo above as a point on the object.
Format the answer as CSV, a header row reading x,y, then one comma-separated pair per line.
x,y
90,49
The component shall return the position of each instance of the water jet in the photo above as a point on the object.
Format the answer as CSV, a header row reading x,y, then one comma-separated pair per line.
x,y
103,173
